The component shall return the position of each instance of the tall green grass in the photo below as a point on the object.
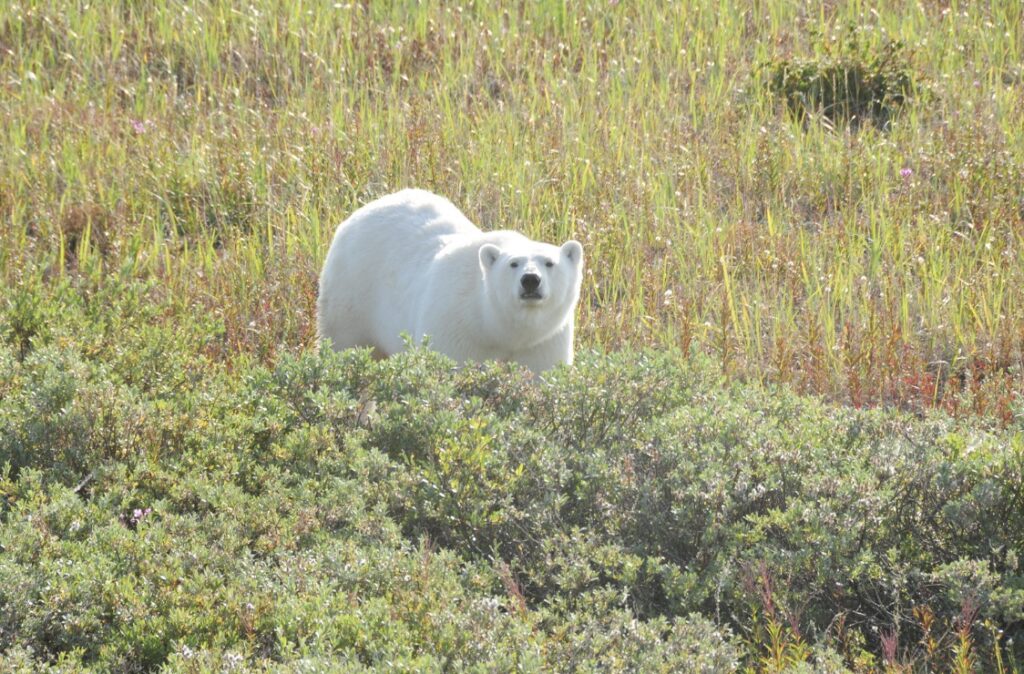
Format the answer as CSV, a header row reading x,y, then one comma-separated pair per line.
x,y
213,147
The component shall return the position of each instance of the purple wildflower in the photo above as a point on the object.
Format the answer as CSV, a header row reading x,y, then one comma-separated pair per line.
x,y
906,172
138,514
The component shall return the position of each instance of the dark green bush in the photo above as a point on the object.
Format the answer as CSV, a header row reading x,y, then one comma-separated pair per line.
x,y
850,82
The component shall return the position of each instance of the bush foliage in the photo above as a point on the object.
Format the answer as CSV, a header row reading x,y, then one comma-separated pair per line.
x,y
850,82
633,513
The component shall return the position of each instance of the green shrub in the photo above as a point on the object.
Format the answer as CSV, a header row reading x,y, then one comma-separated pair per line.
x,y
632,512
851,81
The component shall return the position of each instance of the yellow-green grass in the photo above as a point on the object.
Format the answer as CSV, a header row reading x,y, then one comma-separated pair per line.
x,y
213,147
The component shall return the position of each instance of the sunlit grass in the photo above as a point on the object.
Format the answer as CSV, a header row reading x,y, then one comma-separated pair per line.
x,y
214,148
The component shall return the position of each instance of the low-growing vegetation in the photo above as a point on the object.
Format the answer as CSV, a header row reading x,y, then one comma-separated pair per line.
x,y
851,83
633,513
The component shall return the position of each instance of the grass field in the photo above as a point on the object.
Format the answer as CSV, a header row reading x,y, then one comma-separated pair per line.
x,y
171,174
214,149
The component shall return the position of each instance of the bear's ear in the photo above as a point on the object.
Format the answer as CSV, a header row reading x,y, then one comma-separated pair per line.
x,y
573,250
489,254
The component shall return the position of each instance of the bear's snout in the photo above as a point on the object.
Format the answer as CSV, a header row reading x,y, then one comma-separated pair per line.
x,y
530,283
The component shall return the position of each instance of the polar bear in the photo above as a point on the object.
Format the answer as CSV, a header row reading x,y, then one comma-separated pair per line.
x,y
411,262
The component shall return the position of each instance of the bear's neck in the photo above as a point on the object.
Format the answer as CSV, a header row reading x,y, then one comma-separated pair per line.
x,y
518,330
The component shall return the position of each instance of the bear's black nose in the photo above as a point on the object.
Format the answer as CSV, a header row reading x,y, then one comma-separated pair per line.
x,y
530,282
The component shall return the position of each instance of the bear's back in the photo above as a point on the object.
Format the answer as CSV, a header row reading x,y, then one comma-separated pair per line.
x,y
415,219
379,264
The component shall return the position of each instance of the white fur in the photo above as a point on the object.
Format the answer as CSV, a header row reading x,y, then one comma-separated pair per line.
x,y
411,262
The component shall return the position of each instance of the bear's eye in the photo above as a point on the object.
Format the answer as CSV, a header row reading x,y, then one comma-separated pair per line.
x,y
549,264
514,265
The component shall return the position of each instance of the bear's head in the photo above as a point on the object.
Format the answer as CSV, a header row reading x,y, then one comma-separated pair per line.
x,y
536,285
